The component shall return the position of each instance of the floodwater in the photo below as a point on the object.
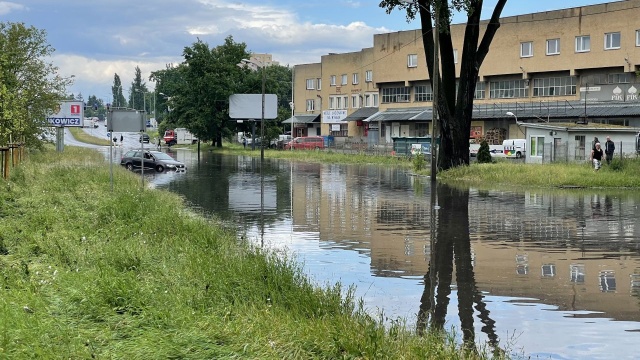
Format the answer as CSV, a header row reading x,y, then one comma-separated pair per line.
x,y
542,273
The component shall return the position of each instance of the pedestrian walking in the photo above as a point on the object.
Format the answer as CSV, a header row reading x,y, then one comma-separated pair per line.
x,y
609,149
596,156
244,142
121,140
158,143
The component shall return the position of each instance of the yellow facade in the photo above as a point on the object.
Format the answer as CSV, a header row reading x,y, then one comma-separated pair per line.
x,y
540,50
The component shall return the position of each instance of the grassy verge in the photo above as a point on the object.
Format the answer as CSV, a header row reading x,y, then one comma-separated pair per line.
x,y
88,272
620,174
82,136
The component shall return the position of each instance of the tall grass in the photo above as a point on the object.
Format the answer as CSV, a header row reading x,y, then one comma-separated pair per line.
x,y
87,272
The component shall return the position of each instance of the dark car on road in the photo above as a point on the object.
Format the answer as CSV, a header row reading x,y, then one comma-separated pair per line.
x,y
144,138
156,160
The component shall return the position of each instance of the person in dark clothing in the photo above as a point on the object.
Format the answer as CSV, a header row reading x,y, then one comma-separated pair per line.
x,y
596,157
595,141
609,149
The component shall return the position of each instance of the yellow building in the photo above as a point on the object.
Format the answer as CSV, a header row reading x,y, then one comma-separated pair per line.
x,y
540,66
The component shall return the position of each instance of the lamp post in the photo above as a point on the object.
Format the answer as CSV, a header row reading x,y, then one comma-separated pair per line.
x,y
509,113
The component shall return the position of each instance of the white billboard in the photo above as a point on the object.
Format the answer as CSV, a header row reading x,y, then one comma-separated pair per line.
x,y
333,116
249,106
68,113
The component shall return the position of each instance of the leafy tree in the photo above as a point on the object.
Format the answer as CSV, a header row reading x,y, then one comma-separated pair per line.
x,y
203,84
139,91
116,93
168,83
454,111
30,87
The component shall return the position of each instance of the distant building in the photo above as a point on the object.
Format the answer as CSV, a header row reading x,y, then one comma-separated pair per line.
x,y
256,59
545,66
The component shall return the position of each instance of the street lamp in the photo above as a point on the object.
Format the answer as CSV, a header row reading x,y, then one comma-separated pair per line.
x,y
509,113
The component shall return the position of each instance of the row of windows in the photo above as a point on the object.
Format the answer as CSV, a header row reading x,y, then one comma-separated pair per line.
x,y
339,102
612,41
355,79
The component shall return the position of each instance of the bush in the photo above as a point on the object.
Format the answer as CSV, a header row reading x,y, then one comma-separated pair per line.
x,y
484,155
418,161
617,164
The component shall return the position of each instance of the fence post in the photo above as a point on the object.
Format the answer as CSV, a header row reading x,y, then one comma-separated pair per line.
x,y
5,161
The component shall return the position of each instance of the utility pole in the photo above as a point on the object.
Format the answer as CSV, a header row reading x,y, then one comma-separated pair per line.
x,y
435,80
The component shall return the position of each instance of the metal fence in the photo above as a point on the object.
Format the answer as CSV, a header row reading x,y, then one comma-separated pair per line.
x,y
563,152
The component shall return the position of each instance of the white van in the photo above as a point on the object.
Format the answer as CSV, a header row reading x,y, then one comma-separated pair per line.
x,y
515,148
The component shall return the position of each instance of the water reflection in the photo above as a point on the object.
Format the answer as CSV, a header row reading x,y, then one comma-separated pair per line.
x,y
452,245
553,267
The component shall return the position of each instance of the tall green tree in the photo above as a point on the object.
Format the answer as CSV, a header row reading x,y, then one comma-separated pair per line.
x,y
116,93
168,83
454,110
208,76
139,92
30,87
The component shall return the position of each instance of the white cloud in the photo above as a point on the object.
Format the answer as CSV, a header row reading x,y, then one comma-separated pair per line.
x,y
7,7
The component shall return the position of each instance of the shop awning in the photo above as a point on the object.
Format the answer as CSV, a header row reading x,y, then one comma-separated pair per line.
x,y
406,114
361,114
303,119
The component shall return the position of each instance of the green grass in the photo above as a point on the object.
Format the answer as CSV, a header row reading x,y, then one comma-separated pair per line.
x,y
82,136
620,174
87,272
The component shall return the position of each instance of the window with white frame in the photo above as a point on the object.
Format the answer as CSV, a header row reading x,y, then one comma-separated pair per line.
x,y
507,89
422,93
371,100
332,80
619,78
338,102
368,76
395,94
311,105
583,43
345,102
355,101
355,78
455,56
332,102
553,46
344,130
319,81
310,84
344,79
526,49
612,41
412,60
637,37
536,144
480,90
554,86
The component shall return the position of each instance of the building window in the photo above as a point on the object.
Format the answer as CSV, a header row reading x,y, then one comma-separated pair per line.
x,y
395,94
583,43
637,37
537,146
371,100
526,49
412,60
355,79
422,129
620,78
344,79
577,273
455,56
607,280
554,86
355,101
480,90
319,80
338,102
548,270
368,76
423,93
612,41
508,89
553,46
310,84
333,80
311,105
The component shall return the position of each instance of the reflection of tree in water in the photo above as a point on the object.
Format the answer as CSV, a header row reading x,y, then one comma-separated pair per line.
x,y
453,245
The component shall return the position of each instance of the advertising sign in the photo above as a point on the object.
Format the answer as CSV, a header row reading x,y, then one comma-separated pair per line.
x,y
68,113
333,116
614,92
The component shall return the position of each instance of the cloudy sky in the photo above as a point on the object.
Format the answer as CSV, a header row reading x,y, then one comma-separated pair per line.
x,y
94,39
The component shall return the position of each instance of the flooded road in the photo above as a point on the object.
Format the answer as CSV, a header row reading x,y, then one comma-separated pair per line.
x,y
543,273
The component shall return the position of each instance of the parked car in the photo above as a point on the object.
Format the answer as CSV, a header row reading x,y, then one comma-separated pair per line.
x,y
306,143
144,138
153,160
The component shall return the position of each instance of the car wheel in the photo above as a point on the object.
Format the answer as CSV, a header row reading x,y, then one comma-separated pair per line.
x,y
317,148
159,168
129,166
518,155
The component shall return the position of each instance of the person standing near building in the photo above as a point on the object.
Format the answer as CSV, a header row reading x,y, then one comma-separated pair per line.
x,y
596,156
121,140
595,141
609,149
